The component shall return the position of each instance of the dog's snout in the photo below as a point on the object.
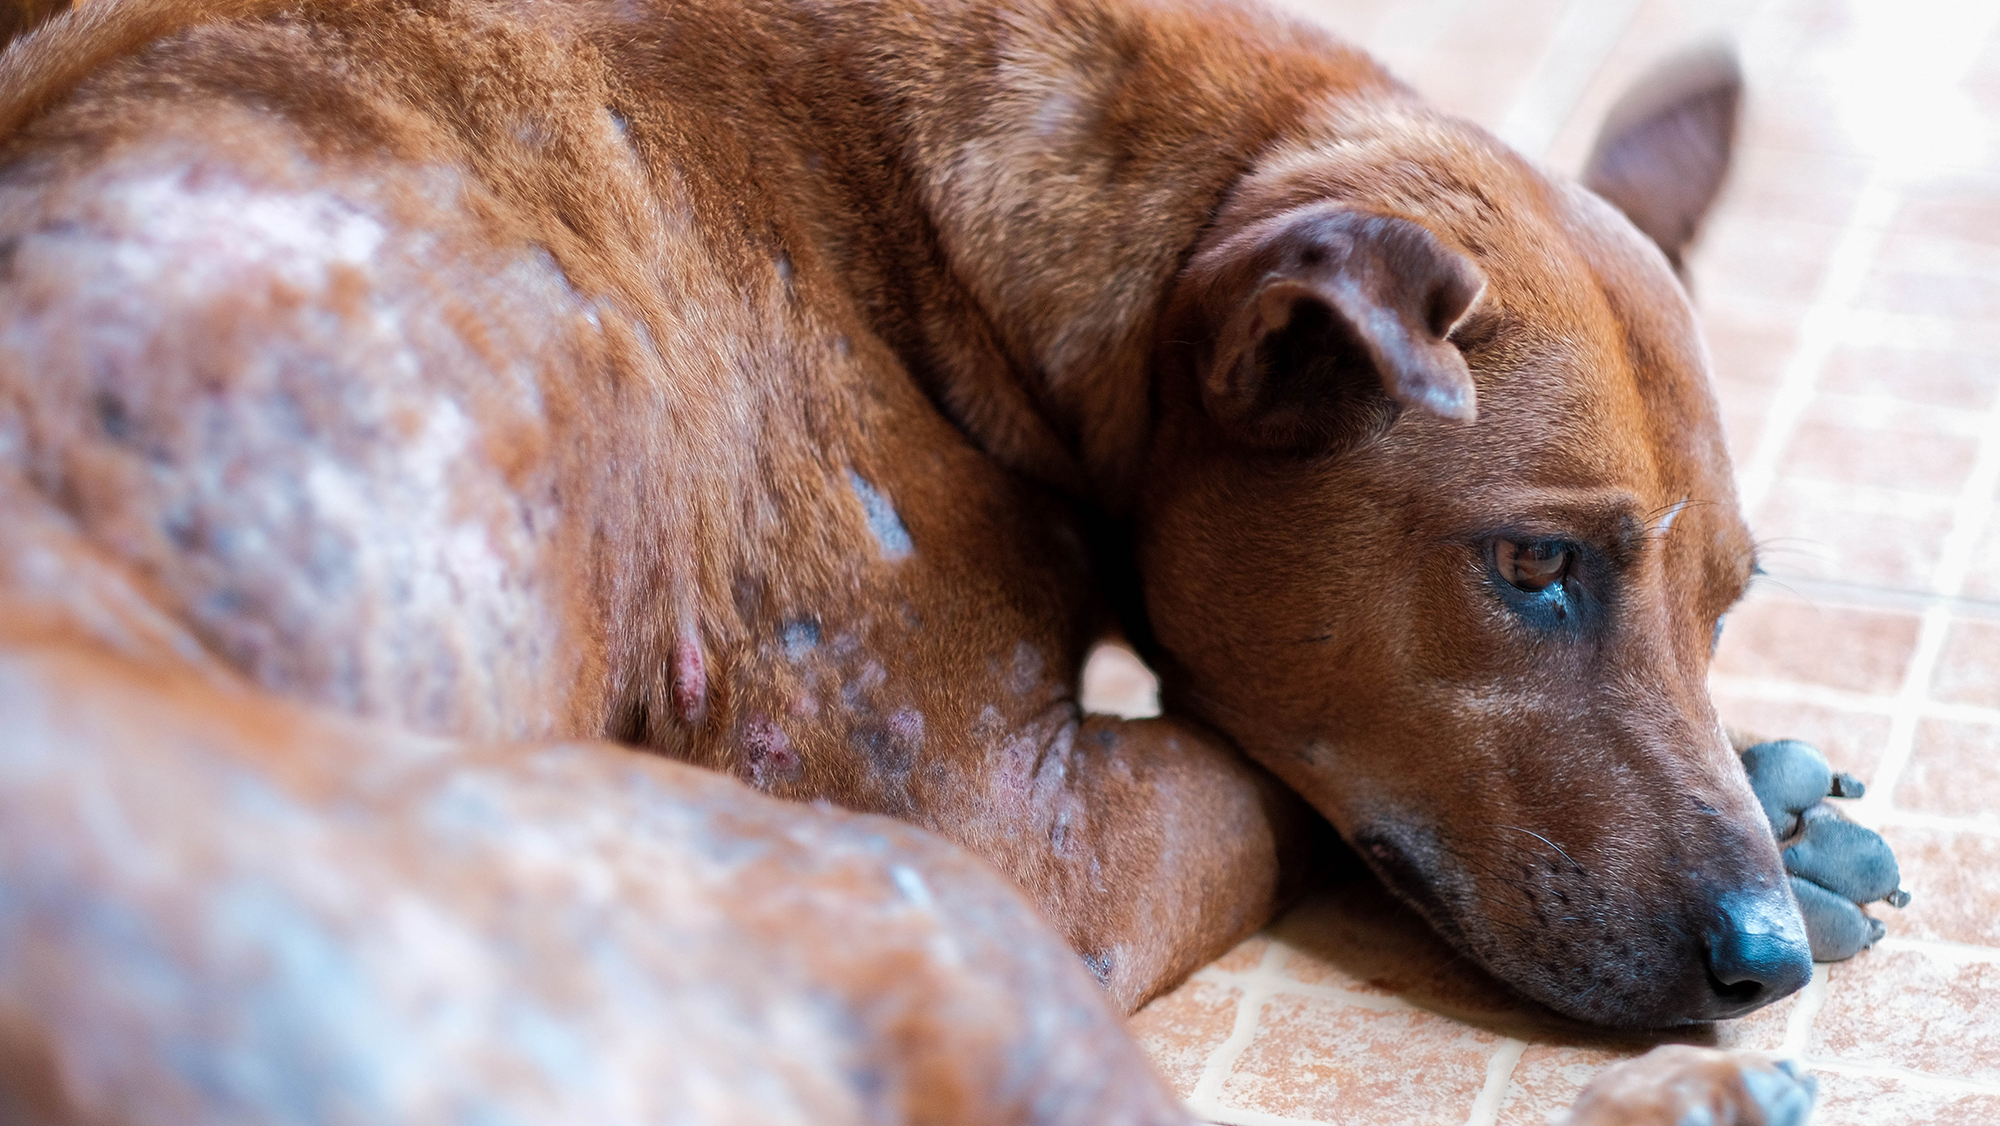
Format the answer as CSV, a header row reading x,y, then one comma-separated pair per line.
x,y
1756,951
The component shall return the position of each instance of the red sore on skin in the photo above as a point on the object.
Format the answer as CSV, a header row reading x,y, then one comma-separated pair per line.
x,y
768,754
690,685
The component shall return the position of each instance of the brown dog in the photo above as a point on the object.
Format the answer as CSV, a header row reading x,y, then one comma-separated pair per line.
x,y
799,390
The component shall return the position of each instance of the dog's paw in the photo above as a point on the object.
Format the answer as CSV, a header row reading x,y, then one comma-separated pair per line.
x,y
1678,1085
1835,865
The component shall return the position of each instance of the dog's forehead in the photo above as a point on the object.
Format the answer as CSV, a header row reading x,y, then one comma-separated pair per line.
x,y
1582,321
1595,406
1593,358
1586,354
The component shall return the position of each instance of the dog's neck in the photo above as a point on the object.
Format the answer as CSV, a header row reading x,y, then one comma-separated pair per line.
x,y
1065,203
999,191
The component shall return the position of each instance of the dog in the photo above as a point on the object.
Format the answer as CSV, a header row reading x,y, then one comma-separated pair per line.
x,y
401,391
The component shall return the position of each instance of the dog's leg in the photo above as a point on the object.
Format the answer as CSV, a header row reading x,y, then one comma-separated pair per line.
x,y
218,905
945,693
1677,1085
1151,844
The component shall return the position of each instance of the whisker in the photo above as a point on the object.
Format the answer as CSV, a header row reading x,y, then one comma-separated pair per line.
x,y
1551,844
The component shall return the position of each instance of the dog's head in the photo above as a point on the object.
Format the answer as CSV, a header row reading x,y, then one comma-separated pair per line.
x,y
1449,535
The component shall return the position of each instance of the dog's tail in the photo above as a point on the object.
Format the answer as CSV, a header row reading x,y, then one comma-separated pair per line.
x,y
51,45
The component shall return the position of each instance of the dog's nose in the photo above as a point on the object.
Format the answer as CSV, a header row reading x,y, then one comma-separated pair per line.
x,y
1756,951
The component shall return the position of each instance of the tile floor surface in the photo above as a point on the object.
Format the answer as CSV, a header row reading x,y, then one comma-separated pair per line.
x,y
1850,282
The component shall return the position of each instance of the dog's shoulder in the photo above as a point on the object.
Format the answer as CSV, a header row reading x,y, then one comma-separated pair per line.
x,y
48,62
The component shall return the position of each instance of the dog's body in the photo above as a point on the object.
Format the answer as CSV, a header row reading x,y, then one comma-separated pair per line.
x,y
800,390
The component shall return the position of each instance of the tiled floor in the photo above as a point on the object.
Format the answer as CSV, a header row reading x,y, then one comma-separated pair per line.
x,y
1851,285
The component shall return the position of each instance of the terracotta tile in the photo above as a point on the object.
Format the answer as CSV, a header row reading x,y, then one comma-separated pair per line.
x,y
1776,258
1922,330
1548,1079
1318,1059
1953,771
1814,26
1549,1076
1761,1031
1977,259
1654,28
1182,1029
1982,576
1935,293
1246,956
1965,206
1851,741
1775,636
1865,1100
1950,877
1747,355
1479,63
1893,453
1359,938
1956,379
1815,529
1796,117
1968,667
1736,396
1908,1010
1756,322
1470,82
1117,682
1353,20
1801,187
1742,430
1748,351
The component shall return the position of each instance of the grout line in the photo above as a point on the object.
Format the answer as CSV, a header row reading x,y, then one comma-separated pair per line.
x,y
1868,496
1248,1008
1960,953
1237,1117
1277,984
1969,520
1935,822
1798,1026
1794,692
1832,593
1410,30
1499,1075
1583,39
1919,1079
1901,743
1958,713
1819,330
1837,699
1915,331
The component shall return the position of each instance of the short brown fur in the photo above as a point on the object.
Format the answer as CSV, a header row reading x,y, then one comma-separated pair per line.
x,y
801,389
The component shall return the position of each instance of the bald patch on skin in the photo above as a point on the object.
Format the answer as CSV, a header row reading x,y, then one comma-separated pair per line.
x,y
883,521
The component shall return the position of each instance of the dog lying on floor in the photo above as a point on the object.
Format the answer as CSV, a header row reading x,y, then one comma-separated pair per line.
x,y
398,392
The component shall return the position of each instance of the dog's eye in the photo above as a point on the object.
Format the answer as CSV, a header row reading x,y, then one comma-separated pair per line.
x,y
1532,567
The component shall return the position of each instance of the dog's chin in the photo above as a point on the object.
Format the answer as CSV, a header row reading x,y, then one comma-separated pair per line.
x,y
1638,977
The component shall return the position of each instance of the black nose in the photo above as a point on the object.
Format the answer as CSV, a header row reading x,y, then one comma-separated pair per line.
x,y
1756,952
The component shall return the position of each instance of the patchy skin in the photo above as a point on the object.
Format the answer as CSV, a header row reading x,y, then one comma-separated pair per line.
x,y
690,691
337,965
883,523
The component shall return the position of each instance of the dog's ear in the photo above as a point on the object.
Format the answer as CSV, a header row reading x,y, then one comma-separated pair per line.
x,y
1322,320
1665,146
